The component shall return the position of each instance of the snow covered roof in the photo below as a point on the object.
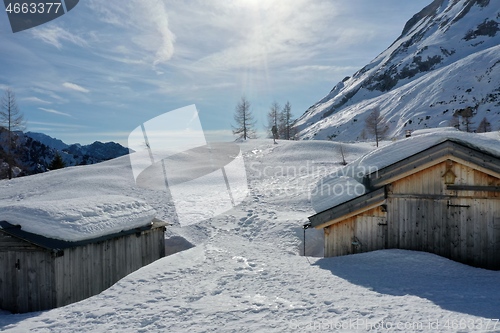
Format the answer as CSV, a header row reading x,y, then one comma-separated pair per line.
x,y
78,219
400,150
58,244
347,184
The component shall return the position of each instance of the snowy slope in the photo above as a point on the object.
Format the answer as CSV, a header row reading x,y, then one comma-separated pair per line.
x,y
245,274
446,59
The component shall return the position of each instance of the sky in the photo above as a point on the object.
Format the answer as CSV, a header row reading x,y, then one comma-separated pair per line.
x,y
107,66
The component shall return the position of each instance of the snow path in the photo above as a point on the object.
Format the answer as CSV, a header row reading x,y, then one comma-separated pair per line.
x,y
244,275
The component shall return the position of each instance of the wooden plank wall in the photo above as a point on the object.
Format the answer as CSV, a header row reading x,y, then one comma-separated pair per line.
x,y
424,216
86,271
467,230
44,281
26,276
367,231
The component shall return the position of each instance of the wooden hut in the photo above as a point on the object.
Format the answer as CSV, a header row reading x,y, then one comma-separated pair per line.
x,y
444,200
40,273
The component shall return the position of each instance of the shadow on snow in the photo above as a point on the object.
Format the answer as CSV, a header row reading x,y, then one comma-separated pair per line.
x,y
450,285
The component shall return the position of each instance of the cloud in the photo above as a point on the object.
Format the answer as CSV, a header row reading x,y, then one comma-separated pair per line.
x,y
55,112
65,126
36,100
261,34
191,88
75,87
55,35
145,26
46,92
323,68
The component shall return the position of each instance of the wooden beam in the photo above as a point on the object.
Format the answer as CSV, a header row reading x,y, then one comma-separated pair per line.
x,y
473,188
447,150
349,208
472,165
351,214
401,172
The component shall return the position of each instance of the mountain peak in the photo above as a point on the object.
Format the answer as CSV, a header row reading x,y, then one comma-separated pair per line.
x,y
47,140
449,50
428,11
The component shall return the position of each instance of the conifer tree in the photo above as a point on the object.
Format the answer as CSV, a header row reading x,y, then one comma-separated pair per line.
x,y
57,162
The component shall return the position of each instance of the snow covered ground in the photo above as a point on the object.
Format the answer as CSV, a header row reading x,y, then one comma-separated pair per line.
x,y
245,274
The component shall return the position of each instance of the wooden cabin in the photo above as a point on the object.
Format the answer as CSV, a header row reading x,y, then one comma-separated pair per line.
x,y
39,273
444,200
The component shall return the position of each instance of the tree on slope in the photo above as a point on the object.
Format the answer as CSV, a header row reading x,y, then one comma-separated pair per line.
x,y
273,118
484,126
376,125
455,121
287,122
11,119
466,115
57,162
245,123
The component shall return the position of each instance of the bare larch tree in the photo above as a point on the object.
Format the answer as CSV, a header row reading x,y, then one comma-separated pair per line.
x,y
466,115
287,122
11,119
245,123
273,118
376,125
484,126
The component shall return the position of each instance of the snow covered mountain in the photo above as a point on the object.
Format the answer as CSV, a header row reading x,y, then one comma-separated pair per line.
x,y
47,140
96,152
446,59
35,151
92,153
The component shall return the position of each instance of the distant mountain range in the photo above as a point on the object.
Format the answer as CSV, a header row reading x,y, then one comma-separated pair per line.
x,y
47,140
76,154
447,58
34,152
